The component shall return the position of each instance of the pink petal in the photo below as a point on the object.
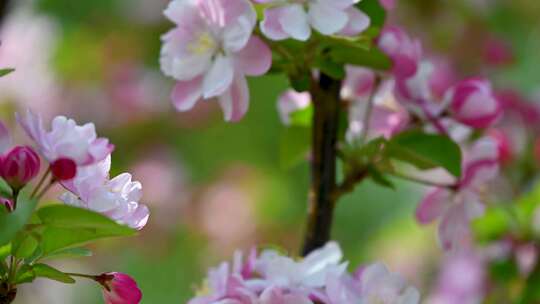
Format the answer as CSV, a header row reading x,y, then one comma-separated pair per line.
x,y
235,101
326,18
219,78
255,59
271,26
186,94
294,22
433,205
358,22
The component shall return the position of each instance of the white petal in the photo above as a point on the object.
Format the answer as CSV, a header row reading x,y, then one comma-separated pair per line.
x,y
294,21
219,77
327,19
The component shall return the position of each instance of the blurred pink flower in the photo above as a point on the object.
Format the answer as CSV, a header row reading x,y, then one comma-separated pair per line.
x,y
473,103
406,53
33,84
388,4
462,280
290,102
210,52
119,288
497,52
293,19
457,207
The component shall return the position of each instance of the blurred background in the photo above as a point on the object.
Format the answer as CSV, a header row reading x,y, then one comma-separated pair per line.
x,y
214,187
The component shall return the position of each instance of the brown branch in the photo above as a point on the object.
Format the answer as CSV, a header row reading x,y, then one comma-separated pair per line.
x,y
326,101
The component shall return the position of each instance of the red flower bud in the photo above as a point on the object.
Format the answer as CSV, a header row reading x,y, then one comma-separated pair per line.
x,y
119,288
64,169
20,166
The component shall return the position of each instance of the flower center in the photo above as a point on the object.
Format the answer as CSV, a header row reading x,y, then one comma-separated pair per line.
x,y
204,43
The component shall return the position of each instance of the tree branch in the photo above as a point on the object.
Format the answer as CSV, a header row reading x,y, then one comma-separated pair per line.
x,y
326,101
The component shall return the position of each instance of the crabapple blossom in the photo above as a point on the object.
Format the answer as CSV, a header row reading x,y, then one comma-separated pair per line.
x,y
473,103
457,207
19,166
210,52
117,198
295,19
462,280
290,102
405,52
119,288
66,139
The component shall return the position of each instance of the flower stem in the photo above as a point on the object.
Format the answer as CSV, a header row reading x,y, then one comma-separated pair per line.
x,y
41,181
326,101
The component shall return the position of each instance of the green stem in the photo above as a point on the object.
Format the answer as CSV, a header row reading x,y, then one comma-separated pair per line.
x,y
40,183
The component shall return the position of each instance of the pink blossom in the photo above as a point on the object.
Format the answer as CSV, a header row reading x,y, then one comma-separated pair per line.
x,y
462,280
210,51
295,19
504,145
374,284
456,208
19,166
473,103
405,52
119,288
117,198
388,4
497,52
290,102
66,139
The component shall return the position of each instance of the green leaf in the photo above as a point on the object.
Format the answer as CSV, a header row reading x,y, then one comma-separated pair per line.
x,y
376,13
76,252
5,251
294,146
11,223
303,117
5,189
67,226
379,178
24,275
24,245
6,71
330,68
494,224
46,271
301,82
426,151
372,58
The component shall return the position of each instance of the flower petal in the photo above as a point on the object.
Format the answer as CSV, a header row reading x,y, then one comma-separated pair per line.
x,y
219,77
235,101
327,19
294,22
186,94
255,59
432,206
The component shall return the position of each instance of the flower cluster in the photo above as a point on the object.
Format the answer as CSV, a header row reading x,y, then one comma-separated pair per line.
x,y
320,277
81,162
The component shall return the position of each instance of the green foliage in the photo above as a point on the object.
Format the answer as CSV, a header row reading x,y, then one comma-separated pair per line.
x,y
294,146
77,252
5,189
426,151
24,245
376,13
46,271
6,71
494,224
302,118
67,227
11,223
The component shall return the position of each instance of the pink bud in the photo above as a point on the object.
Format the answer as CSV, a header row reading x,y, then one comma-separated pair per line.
x,y
119,288
472,103
64,169
19,166
504,145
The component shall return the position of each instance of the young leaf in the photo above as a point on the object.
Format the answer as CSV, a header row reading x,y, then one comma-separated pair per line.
x,y
372,58
46,271
11,223
5,189
426,151
67,226
24,275
68,253
24,245
294,146
376,13
5,251
302,118
6,71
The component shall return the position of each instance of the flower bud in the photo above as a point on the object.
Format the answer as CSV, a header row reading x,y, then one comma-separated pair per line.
x,y
20,166
472,103
63,169
504,145
119,288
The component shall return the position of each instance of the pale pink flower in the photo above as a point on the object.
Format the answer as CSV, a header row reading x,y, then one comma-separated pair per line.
x,y
295,19
119,288
473,103
462,280
457,207
276,295
66,139
290,102
405,52
117,198
210,51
